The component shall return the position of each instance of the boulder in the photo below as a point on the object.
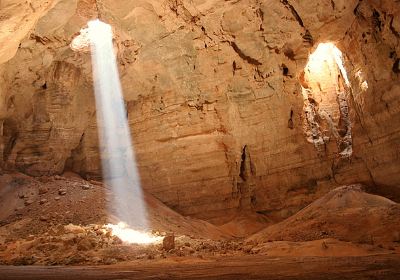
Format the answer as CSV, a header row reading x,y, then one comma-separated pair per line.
x,y
169,242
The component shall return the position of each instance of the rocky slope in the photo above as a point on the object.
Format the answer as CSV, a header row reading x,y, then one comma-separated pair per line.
x,y
346,213
30,206
213,91
60,220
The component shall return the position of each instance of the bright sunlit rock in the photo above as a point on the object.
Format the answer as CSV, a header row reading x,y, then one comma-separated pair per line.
x,y
363,83
128,235
81,43
330,53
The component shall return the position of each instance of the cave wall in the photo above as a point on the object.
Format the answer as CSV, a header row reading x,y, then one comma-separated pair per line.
x,y
213,94
373,51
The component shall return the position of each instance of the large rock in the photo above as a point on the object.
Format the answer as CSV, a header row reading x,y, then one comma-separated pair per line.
x,y
213,97
169,242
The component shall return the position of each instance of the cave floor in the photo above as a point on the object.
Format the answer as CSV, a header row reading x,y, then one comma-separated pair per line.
x,y
243,267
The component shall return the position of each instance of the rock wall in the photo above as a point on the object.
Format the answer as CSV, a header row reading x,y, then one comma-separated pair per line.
x,y
214,98
373,59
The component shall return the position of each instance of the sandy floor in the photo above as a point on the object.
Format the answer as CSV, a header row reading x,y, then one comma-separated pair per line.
x,y
250,267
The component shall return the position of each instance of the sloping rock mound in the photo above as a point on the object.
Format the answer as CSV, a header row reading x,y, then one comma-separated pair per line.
x,y
246,224
346,213
31,206
61,220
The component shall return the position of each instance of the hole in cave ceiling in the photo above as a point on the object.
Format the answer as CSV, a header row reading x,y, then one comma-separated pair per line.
x,y
325,88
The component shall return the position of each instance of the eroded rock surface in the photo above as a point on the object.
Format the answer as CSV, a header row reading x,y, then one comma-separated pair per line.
x,y
214,97
347,213
76,229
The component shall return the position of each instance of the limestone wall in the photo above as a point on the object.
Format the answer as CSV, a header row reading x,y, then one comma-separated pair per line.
x,y
213,94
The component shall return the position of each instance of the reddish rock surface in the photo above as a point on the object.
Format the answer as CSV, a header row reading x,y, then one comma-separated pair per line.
x,y
346,213
214,98
71,230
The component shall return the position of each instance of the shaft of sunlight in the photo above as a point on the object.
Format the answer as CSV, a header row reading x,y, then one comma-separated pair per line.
x,y
117,152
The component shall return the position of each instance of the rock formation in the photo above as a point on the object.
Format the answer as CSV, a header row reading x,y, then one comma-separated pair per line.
x,y
346,213
213,91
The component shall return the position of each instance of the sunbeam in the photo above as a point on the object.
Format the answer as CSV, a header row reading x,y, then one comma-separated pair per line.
x,y
117,153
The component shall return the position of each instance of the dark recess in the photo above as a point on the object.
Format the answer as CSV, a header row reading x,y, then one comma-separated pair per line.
x,y
396,66
242,173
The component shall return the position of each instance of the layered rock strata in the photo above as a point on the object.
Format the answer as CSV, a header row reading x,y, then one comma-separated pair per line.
x,y
214,97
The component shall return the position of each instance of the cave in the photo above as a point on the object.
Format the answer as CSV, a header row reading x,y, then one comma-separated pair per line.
x,y
203,139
